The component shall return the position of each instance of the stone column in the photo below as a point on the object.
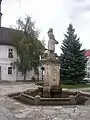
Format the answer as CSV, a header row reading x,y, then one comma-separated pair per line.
x,y
52,73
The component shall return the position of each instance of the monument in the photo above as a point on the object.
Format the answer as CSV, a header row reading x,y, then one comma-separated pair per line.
x,y
52,65
51,93
51,43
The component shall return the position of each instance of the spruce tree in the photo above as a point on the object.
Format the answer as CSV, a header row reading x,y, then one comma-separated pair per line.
x,y
73,60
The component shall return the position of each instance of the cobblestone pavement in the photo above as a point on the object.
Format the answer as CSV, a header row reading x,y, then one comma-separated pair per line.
x,y
25,112
5,114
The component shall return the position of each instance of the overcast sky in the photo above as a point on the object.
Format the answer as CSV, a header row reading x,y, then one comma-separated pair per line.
x,y
56,14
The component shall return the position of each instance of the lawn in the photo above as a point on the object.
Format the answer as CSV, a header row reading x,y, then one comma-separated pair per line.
x,y
75,86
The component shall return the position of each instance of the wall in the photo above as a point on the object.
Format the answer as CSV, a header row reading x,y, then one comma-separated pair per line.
x,y
28,77
5,63
88,67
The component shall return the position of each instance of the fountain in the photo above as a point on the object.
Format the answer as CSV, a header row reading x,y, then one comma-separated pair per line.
x,y
52,69
51,93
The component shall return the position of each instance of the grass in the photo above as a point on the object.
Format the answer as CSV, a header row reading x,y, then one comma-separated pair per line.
x,y
75,86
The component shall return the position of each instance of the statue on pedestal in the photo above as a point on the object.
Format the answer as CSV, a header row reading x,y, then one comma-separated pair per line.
x,y
51,64
51,43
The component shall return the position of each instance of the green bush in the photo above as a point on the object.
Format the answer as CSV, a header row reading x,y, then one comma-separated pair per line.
x,y
69,83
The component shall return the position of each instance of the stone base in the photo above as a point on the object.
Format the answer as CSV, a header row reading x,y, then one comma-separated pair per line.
x,y
48,92
56,91
52,72
44,91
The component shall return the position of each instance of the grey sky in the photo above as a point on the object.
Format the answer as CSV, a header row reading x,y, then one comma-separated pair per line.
x,y
51,13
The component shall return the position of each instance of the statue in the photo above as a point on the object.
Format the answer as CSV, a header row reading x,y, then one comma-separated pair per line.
x,y
51,43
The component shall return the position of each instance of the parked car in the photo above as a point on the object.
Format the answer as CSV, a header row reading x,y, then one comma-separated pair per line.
x,y
87,80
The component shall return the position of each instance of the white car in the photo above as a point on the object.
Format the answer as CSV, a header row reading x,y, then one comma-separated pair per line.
x,y
87,80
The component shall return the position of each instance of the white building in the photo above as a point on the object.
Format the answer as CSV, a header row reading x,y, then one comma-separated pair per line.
x,y
8,55
87,53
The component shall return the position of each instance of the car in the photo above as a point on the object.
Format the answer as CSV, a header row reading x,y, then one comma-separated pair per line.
x,y
87,80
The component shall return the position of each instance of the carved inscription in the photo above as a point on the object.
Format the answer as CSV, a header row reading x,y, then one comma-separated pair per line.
x,y
54,73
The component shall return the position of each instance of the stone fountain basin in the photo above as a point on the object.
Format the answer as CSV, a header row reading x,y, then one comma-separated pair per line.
x,y
32,98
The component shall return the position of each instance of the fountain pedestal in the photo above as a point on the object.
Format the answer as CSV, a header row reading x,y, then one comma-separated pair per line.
x,y
52,72
52,68
52,77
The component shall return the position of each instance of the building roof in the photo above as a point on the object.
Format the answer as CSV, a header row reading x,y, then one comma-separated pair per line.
x,y
6,36
87,53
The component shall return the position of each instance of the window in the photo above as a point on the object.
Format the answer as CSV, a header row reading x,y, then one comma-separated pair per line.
x,y
10,53
88,68
9,70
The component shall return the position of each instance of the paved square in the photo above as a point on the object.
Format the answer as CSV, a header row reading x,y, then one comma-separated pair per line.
x,y
13,110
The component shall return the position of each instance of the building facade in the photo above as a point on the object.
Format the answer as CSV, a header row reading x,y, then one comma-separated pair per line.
x,y
8,55
87,53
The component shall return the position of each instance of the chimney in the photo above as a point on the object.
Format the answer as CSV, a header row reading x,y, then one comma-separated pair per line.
x,y
0,12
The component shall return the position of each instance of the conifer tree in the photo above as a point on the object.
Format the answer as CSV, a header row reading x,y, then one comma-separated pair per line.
x,y
73,60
